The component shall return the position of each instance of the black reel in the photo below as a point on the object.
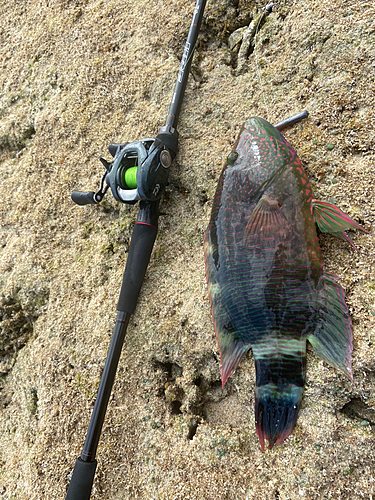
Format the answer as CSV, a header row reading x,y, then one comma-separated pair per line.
x,y
139,171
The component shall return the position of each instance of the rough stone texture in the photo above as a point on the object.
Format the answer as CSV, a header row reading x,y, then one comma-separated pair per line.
x,y
78,74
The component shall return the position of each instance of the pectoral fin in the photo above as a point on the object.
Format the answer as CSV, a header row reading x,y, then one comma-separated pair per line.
x,y
333,337
267,224
330,219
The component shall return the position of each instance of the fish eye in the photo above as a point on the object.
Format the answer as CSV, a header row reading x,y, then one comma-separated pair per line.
x,y
232,157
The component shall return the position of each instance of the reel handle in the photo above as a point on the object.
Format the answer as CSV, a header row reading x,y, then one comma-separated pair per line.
x,y
82,198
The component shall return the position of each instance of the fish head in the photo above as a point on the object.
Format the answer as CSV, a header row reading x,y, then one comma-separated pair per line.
x,y
261,149
259,153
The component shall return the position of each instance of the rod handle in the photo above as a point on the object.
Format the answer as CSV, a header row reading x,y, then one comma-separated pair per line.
x,y
141,244
82,479
140,249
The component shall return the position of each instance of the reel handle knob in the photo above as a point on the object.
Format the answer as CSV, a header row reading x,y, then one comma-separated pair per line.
x,y
82,198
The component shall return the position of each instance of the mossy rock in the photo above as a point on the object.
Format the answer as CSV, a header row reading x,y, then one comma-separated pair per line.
x,y
18,313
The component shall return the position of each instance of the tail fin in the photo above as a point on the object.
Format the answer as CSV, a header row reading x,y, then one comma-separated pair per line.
x,y
280,377
276,410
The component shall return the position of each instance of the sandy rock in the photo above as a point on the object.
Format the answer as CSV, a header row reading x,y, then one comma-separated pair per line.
x,y
77,75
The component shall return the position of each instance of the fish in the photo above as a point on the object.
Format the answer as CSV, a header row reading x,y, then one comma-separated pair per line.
x,y
266,284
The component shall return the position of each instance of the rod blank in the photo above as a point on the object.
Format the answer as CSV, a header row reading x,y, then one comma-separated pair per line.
x,y
291,121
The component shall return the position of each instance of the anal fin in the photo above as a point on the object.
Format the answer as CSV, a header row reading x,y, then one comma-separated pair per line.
x,y
332,339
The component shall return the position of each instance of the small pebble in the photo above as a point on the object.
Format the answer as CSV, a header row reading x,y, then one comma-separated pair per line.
x,y
364,423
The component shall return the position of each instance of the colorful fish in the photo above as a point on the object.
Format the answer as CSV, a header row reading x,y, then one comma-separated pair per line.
x,y
265,277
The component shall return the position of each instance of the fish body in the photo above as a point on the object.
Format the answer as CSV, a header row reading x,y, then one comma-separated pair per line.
x,y
264,270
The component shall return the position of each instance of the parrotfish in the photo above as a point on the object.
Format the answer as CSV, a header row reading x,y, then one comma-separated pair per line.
x,y
267,287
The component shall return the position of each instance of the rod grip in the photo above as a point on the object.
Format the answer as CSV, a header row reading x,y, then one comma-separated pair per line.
x,y
141,245
82,479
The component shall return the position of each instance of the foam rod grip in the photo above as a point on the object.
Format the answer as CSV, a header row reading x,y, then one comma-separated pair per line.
x,y
141,244
82,479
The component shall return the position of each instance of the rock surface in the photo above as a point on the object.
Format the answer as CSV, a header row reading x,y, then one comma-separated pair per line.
x,y
79,74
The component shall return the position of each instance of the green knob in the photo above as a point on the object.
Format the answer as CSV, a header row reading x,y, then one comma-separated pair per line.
x,y
131,177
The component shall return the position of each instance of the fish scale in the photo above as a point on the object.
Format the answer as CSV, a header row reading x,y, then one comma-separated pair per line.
x,y
264,270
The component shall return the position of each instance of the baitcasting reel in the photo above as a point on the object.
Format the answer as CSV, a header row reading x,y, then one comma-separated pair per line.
x,y
139,170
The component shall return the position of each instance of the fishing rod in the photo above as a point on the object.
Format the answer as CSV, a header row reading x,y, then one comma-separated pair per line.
x,y
138,173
